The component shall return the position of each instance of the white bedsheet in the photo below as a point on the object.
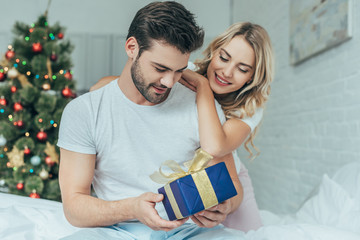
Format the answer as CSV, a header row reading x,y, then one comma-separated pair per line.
x,y
333,213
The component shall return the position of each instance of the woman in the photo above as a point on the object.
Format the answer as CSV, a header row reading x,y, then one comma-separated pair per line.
x,y
237,71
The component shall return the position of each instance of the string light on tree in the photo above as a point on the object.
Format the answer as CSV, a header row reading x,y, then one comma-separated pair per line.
x,y
46,86
3,101
31,84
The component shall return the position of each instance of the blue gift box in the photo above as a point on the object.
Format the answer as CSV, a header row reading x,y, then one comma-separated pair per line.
x,y
189,195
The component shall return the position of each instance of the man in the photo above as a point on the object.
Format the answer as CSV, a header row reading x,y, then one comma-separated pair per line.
x,y
114,138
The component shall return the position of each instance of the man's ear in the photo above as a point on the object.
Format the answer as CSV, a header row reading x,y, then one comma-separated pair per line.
x,y
132,47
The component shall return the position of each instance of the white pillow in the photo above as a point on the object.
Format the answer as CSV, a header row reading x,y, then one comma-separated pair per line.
x,y
348,177
332,206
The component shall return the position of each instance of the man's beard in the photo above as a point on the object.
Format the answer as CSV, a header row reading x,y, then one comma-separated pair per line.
x,y
144,89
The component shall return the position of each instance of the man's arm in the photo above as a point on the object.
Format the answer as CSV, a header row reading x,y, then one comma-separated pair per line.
x,y
83,210
217,214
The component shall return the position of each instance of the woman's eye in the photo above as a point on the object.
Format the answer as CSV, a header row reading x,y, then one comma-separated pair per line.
x,y
243,70
223,59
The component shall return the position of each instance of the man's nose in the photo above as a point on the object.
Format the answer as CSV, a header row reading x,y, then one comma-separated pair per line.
x,y
168,80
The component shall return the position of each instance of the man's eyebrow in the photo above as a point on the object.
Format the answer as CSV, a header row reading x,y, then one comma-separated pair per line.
x,y
228,54
167,68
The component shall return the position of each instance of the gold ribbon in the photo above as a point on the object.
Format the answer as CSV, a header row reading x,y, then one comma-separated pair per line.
x,y
198,163
196,168
172,201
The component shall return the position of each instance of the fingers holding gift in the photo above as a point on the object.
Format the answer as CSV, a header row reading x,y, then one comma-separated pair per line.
x,y
155,222
146,213
224,207
208,219
164,225
204,222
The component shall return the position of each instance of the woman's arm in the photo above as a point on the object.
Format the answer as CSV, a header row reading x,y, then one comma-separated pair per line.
x,y
102,82
215,138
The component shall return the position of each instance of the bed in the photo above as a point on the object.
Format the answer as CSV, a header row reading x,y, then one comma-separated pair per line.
x,y
332,212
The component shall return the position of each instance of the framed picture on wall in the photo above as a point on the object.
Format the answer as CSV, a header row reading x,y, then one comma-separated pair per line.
x,y
317,25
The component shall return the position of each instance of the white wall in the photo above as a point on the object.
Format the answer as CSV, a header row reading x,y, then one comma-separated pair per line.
x,y
312,121
98,29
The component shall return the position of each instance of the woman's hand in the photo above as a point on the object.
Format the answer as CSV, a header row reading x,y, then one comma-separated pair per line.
x,y
192,80
213,216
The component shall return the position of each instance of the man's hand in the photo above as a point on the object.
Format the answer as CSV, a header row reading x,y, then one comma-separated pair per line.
x,y
144,209
213,216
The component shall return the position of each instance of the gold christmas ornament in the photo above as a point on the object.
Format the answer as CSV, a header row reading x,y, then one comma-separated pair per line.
x,y
51,152
16,157
44,174
12,73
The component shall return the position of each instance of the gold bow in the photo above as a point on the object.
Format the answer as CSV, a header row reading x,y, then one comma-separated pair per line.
x,y
202,182
198,163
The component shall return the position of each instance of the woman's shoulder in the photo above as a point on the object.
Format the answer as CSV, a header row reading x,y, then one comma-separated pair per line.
x,y
252,121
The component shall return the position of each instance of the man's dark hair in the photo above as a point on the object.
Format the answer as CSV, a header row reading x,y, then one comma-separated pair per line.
x,y
167,21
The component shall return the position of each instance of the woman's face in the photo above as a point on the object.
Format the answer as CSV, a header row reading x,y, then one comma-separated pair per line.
x,y
232,66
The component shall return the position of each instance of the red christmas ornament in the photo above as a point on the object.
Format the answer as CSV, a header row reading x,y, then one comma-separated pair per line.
x,y
19,124
27,151
53,57
60,35
66,92
68,75
2,76
9,54
49,161
34,195
13,89
18,107
3,101
20,186
37,47
41,136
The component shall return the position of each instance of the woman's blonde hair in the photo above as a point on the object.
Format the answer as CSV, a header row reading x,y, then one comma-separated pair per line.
x,y
243,102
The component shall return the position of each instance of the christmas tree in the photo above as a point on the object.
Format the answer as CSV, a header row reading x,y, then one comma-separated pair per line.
x,y
35,85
